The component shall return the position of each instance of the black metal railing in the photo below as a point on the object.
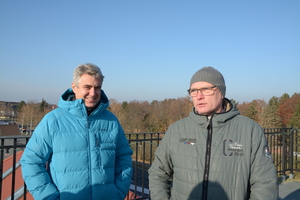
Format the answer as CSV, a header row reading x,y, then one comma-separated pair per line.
x,y
9,147
284,144
143,146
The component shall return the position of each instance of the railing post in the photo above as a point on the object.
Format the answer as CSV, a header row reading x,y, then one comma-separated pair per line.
x,y
291,175
151,148
297,148
136,160
1,164
283,152
144,160
14,169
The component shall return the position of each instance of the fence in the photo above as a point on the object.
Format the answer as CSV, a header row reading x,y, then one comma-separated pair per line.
x,y
284,144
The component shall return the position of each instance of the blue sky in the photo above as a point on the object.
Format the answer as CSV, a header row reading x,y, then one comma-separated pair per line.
x,y
149,50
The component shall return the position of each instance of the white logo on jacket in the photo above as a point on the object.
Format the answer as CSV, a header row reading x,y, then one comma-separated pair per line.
x,y
231,148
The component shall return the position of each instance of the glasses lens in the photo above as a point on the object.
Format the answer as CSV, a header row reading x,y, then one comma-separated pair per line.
x,y
207,91
193,93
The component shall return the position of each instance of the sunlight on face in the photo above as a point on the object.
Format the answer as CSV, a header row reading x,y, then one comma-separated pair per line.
x,y
88,89
207,105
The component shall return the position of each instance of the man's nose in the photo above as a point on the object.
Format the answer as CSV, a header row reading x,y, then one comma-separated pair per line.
x,y
92,91
200,95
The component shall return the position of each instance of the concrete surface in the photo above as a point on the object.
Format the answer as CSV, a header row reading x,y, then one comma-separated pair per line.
x,y
289,190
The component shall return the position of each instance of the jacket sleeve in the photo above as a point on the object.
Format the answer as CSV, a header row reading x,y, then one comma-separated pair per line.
x,y
123,168
33,162
161,172
263,178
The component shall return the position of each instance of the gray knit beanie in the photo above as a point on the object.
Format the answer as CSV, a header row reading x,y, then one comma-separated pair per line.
x,y
210,75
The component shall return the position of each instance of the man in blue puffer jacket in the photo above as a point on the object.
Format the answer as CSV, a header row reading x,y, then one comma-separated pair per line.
x,y
79,150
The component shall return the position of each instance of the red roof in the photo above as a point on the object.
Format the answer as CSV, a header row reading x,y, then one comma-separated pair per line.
x,y
7,181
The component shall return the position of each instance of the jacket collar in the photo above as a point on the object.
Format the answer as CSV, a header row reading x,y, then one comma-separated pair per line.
x,y
77,107
218,119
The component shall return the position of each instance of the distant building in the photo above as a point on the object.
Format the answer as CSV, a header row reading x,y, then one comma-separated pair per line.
x,y
9,129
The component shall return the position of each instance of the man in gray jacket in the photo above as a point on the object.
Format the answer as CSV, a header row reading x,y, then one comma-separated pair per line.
x,y
214,153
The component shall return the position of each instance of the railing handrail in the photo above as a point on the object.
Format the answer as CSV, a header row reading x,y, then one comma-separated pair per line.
x,y
15,136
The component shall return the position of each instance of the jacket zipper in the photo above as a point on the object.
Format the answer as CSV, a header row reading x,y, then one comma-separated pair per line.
x,y
207,160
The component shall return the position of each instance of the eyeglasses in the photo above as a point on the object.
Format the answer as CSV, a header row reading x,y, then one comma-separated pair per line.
x,y
205,91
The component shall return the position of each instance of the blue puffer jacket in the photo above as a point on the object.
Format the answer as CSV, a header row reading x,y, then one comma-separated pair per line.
x,y
87,157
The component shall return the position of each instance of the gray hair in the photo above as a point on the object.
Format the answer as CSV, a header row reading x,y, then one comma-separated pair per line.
x,y
88,68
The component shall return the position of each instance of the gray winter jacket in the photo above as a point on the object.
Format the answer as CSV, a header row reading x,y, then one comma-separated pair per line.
x,y
223,158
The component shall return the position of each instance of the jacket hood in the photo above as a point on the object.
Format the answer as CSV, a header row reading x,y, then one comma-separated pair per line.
x,y
217,118
77,107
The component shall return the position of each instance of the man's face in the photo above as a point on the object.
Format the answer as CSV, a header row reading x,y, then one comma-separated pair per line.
x,y
88,89
206,105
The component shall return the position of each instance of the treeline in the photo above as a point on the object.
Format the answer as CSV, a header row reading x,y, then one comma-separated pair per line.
x,y
281,111
143,116
156,116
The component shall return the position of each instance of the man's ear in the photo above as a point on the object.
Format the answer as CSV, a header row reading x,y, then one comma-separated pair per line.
x,y
73,86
